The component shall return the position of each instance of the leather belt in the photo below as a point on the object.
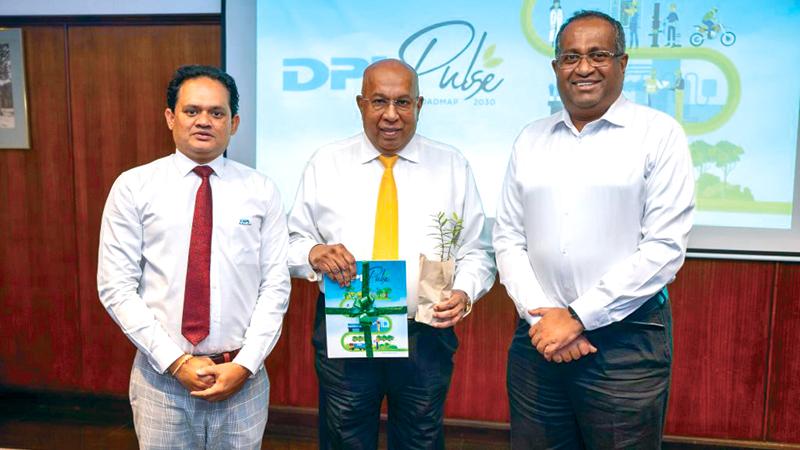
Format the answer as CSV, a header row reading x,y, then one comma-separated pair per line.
x,y
224,357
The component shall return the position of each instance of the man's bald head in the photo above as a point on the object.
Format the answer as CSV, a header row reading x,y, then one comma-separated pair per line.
x,y
391,65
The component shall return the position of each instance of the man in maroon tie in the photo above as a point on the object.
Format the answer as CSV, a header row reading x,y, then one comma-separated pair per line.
x,y
193,268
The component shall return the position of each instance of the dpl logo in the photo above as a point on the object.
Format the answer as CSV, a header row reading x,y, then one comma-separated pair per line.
x,y
453,50
341,70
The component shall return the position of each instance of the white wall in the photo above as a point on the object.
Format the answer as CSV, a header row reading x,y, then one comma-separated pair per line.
x,y
107,7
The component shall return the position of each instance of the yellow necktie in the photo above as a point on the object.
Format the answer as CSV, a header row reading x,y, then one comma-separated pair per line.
x,y
386,228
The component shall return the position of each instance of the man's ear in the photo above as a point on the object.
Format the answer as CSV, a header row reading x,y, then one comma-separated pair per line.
x,y
234,124
170,116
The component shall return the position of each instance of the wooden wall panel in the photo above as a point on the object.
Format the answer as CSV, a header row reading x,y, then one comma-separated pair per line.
x,y
118,78
783,424
478,388
293,379
39,335
721,326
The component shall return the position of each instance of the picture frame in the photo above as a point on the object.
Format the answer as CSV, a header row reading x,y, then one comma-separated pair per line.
x,y
13,101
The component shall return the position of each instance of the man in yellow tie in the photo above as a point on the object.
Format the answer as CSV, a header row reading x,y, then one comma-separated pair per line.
x,y
372,197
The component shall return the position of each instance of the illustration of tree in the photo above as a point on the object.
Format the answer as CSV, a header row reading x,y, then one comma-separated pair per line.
x,y
5,62
702,155
726,155
6,96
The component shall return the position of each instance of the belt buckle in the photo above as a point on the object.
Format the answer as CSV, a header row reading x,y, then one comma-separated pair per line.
x,y
223,357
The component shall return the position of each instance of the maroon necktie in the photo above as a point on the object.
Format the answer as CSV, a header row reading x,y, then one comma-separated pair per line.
x,y
197,296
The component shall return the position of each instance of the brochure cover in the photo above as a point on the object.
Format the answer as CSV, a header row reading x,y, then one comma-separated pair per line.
x,y
368,319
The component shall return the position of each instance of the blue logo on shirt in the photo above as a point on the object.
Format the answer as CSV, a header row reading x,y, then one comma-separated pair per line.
x,y
244,221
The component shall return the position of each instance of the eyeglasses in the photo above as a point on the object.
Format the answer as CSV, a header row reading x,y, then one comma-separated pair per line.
x,y
598,58
403,104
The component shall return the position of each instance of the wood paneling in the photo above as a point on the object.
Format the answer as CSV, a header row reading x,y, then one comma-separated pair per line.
x,y
39,335
293,379
118,78
783,421
721,335
478,388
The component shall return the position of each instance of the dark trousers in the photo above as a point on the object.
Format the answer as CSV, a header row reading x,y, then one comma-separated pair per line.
x,y
351,391
613,399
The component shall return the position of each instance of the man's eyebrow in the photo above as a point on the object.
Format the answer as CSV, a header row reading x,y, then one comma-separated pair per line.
x,y
192,105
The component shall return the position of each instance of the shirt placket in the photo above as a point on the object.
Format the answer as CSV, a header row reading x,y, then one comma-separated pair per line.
x,y
571,151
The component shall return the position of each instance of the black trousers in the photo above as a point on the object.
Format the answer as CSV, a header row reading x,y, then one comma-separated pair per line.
x,y
613,399
351,391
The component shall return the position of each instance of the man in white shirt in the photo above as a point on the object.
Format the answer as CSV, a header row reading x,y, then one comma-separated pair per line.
x,y
193,268
333,223
592,224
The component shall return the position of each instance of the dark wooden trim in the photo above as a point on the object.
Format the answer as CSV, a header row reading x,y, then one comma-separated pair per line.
x,y
757,255
116,20
223,54
113,408
307,417
727,443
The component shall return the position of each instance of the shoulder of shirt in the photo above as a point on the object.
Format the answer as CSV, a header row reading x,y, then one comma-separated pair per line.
x,y
543,125
248,174
431,145
435,150
647,116
334,150
536,129
145,172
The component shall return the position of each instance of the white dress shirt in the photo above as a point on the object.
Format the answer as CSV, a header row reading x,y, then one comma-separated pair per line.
x,y
598,219
338,195
144,248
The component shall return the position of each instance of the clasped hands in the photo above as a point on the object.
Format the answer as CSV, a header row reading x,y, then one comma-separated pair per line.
x,y
209,381
338,263
558,336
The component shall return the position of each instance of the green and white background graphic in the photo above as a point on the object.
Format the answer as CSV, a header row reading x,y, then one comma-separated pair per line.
x,y
485,72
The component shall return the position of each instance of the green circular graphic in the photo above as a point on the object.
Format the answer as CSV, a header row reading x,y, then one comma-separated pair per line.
x,y
714,57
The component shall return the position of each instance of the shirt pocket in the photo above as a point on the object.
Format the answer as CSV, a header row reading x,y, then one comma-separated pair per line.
x,y
245,239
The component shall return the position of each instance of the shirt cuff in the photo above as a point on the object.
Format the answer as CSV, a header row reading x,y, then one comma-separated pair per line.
x,y
249,358
591,316
468,286
161,359
302,269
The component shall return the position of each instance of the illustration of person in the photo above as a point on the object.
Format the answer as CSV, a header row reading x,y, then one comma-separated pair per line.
x,y
672,26
710,21
633,23
556,19
678,86
651,86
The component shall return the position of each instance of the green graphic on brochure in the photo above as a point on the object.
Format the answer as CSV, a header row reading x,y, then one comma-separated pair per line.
x,y
368,319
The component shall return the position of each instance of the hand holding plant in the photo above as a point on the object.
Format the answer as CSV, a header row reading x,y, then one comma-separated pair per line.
x,y
436,277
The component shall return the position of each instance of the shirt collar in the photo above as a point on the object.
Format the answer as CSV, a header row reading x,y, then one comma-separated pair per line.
x,y
184,164
619,114
368,152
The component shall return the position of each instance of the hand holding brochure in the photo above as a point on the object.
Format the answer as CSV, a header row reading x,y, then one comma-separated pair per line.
x,y
368,319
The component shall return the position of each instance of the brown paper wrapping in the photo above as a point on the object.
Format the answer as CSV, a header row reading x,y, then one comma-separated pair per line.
x,y
435,284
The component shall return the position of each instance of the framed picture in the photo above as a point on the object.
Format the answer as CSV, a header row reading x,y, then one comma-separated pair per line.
x,y
13,104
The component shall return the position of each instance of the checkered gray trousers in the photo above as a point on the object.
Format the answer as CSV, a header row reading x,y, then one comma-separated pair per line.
x,y
167,417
